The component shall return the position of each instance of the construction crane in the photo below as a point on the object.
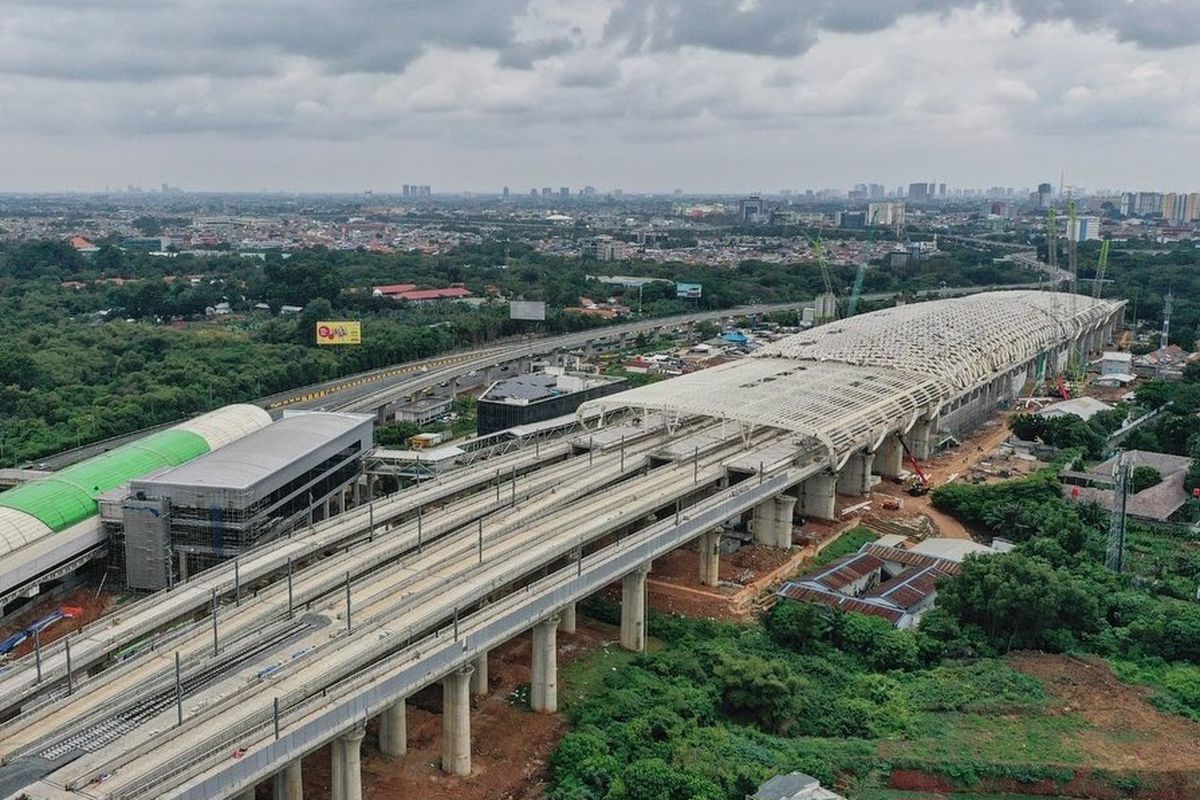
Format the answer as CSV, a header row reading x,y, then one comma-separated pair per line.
x,y
856,292
1101,266
1052,240
827,277
919,483
1073,249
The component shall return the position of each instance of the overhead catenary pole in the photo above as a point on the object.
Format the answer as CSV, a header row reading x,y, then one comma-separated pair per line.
x,y
214,621
178,692
290,603
237,583
70,679
348,626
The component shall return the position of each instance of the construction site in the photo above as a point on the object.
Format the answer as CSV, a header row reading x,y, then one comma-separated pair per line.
x,y
288,625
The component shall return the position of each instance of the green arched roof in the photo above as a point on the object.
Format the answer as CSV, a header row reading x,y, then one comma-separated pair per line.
x,y
69,496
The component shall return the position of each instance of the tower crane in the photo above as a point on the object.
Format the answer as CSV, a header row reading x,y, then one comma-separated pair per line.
x,y
1052,240
826,276
1101,267
856,292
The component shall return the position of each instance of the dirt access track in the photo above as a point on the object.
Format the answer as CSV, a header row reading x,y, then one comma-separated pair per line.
x,y
1128,732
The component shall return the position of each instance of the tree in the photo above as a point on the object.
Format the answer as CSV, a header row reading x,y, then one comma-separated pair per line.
x,y
1154,394
1191,373
1021,602
1143,478
759,690
396,434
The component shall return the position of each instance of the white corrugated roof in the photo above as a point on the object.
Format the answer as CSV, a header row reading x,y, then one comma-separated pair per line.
x,y
243,463
227,424
846,383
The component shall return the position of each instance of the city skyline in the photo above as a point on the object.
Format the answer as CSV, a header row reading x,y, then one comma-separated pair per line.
x,y
651,95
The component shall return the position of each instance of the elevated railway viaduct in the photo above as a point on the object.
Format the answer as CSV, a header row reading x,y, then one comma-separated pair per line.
x,y
228,680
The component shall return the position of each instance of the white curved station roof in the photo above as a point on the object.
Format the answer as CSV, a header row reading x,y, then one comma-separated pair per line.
x,y
849,382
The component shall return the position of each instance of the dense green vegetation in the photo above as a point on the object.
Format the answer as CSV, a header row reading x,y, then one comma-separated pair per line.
x,y
98,346
720,708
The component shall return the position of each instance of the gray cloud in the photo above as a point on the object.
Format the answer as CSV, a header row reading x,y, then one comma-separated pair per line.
x,y
621,78
791,27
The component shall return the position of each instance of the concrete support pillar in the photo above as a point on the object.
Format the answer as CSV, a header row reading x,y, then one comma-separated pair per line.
x,y
479,678
543,683
567,618
855,477
785,508
289,782
764,523
393,730
889,458
337,769
820,496
633,609
346,776
183,566
921,438
710,557
456,722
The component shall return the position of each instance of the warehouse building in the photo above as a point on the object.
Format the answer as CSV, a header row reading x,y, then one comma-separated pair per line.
x,y
300,469
50,527
539,396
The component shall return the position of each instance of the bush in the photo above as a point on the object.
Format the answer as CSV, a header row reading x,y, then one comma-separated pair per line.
x,y
1143,478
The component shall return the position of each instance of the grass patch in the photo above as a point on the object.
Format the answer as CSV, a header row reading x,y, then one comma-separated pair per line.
x,y
585,676
849,542
1176,687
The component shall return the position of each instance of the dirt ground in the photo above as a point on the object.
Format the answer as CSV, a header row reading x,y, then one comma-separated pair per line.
x,y
510,745
1129,732
83,605
955,463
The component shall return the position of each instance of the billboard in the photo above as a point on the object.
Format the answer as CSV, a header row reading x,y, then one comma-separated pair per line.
x,y
526,309
339,332
687,289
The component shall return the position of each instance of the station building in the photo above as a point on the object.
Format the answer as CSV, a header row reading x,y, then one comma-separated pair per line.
x,y
539,396
50,527
300,469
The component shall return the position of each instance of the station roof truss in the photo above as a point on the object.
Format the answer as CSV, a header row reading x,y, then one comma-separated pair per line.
x,y
848,383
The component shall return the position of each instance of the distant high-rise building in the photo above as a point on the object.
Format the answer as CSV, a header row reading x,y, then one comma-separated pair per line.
x,y
885,214
875,191
1082,229
564,192
1191,208
1147,204
547,192
533,192
859,192
505,191
752,210
1174,208
589,191
941,190
1045,195
918,192
618,192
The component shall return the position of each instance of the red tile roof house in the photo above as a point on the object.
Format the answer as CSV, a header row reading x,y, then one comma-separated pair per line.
x,y
410,292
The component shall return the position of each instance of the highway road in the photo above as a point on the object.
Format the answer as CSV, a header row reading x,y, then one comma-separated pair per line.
x,y
367,390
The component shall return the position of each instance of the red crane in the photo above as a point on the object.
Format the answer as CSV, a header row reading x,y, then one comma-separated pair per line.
x,y
920,485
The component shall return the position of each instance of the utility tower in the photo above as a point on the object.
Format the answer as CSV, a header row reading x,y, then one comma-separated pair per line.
x,y
1168,302
1115,559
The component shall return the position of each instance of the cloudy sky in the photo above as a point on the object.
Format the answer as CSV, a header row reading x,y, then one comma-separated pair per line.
x,y
701,95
